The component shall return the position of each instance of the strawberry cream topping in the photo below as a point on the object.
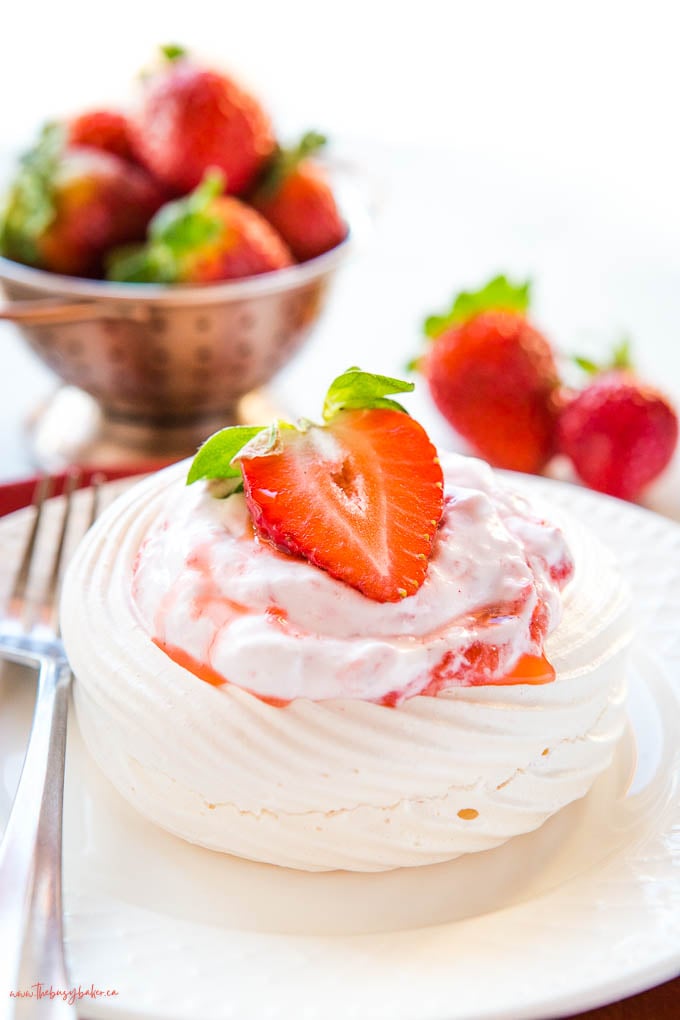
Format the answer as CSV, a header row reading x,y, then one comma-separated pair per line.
x,y
229,606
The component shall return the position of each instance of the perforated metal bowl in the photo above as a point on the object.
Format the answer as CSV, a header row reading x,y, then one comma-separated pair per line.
x,y
167,364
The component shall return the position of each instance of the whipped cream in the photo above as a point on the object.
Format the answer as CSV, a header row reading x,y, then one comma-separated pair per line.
x,y
216,596
343,782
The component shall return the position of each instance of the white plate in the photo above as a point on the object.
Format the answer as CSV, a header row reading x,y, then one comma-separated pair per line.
x,y
584,911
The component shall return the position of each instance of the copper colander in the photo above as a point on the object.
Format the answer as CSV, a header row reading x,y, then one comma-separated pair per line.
x,y
166,365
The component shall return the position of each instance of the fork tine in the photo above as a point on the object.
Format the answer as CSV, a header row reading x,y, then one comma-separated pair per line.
x,y
54,587
50,609
96,483
43,491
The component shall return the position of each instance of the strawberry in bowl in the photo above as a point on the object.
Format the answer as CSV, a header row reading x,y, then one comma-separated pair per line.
x,y
197,297
94,180
203,238
107,130
296,197
69,204
192,118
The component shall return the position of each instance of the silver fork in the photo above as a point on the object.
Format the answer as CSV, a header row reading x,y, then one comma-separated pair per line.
x,y
30,855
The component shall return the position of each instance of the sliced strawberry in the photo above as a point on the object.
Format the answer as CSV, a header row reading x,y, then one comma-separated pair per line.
x,y
360,498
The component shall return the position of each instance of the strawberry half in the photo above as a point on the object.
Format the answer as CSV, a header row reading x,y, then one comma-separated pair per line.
x,y
360,497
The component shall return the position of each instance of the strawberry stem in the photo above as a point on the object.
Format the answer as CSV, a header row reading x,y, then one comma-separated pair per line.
x,y
622,355
356,389
218,457
620,360
499,294
172,51
586,364
284,162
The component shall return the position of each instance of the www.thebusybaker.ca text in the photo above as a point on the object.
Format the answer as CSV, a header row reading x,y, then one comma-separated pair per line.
x,y
69,995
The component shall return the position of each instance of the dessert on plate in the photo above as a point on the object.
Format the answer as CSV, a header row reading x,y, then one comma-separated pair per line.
x,y
335,649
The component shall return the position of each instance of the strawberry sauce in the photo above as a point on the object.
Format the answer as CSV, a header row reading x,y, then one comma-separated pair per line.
x,y
207,673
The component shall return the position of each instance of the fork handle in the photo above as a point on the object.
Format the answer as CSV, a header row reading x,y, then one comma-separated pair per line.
x,y
30,859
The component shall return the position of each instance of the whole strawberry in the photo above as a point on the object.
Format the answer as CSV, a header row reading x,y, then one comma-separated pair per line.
x,y
202,238
619,432
68,205
493,376
106,130
296,197
192,119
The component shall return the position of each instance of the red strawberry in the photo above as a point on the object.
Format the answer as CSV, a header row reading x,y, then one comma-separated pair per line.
x,y
360,497
493,377
67,206
192,119
202,238
103,129
297,199
619,432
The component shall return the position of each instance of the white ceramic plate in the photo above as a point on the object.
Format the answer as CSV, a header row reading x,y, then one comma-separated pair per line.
x,y
584,911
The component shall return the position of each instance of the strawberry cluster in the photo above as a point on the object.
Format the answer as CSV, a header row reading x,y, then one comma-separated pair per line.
x,y
190,187
495,378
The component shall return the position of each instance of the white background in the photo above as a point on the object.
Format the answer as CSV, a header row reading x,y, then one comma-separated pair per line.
x,y
539,138
587,88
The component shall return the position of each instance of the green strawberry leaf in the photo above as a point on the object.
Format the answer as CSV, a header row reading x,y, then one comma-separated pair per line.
x,y
172,51
177,229
621,360
29,207
357,389
622,355
353,389
141,263
588,366
310,143
188,223
285,161
215,456
498,294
